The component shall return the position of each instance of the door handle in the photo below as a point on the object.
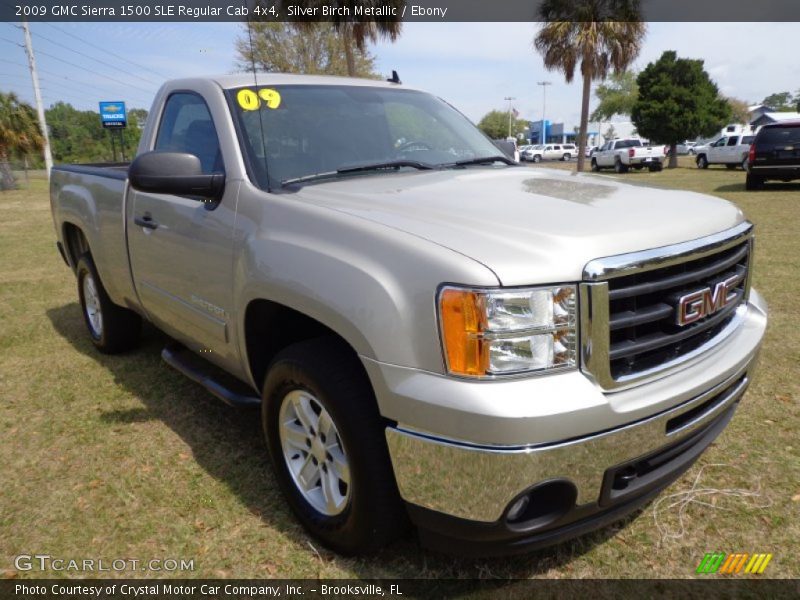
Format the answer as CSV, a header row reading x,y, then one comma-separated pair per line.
x,y
146,221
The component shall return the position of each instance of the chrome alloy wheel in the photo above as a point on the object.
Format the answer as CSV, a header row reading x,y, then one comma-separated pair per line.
x,y
314,453
91,302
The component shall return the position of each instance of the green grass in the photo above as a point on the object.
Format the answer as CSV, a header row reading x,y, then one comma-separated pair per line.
x,y
121,457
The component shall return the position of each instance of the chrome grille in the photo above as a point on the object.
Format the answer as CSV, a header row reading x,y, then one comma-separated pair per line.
x,y
628,311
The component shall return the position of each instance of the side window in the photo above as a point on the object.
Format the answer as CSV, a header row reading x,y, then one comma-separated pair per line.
x,y
732,141
186,126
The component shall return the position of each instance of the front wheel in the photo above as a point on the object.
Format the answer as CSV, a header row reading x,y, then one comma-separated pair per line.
x,y
595,166
327,445
537,158
112,328
702,162
566,157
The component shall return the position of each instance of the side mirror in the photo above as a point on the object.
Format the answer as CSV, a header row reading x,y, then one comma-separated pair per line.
x,y
176,173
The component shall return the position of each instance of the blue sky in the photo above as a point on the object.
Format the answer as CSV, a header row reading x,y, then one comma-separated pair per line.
x,y
472,65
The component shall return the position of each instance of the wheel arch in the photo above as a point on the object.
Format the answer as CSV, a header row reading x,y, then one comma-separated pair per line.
x,y
269,327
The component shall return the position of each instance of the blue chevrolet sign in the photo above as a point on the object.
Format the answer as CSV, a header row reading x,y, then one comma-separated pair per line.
x,y
112,114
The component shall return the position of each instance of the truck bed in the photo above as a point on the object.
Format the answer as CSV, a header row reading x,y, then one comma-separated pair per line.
x,y
113,170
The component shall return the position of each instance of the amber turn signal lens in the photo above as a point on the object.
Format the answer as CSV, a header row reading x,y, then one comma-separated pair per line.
x,y
463,320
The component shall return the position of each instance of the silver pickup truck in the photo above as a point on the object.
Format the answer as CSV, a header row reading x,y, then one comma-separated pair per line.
x,y
501,356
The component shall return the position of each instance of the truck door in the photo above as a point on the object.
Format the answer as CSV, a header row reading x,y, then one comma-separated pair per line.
x,y
716,151
181,248
730,151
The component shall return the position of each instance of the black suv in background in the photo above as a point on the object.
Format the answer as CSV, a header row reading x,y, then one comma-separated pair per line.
x,y
774,154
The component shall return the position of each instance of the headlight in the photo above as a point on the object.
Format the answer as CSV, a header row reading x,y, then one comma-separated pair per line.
x,y
501,332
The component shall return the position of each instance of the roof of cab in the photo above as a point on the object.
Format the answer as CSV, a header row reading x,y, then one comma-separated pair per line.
x,y
265,78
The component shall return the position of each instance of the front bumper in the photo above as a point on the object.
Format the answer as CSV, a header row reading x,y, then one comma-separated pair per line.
x,y
464,490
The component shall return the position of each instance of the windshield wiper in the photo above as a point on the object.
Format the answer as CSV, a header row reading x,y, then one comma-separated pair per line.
x,y
481,161
311,177
389,164
378,166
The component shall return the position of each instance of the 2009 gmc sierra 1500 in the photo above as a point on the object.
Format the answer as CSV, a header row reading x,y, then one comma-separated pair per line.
x,y
508,357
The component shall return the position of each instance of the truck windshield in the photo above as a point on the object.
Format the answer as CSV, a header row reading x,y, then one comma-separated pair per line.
x,y
294,132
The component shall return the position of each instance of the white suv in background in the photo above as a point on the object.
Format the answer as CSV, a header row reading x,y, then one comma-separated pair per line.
x,y
729,150
553,152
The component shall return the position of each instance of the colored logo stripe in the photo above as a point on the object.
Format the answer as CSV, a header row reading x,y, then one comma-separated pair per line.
x,y
758,563
711,562
719,562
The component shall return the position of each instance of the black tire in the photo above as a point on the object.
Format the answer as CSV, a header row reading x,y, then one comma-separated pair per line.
x,y
745,164
373,514
655,168
119,328
537,158
566,157
619,167
753,182
595,166
702,162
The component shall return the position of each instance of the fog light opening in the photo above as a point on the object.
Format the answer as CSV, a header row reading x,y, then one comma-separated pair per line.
x,y
543,504
518,508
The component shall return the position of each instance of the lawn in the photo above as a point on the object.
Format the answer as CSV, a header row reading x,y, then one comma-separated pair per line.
x,y
121,457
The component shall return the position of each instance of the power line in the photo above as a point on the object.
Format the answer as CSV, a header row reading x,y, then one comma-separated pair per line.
x,y
5,39
83,54
11,62
106,51
125,83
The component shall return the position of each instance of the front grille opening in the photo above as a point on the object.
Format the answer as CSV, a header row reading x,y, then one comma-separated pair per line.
x,y
642,310
720,397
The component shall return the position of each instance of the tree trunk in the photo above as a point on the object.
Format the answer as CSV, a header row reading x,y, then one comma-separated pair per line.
x,y
673,156
583,133
7,180
347,40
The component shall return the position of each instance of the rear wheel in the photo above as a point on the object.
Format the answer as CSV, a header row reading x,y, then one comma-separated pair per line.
x,y
112,328
656,167
702,162
327,445
753,182
619,167
745,163
595,166
537,158
566,157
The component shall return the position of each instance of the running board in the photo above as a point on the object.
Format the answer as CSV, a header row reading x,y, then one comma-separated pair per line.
x,y
180,359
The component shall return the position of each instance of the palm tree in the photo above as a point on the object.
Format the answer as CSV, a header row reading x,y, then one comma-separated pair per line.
x,y
19,134
356,33
600,35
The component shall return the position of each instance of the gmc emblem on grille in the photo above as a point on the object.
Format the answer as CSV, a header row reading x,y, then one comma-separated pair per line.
x,y
703,303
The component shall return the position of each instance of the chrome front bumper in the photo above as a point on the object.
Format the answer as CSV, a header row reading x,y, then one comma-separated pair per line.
x,y
478,481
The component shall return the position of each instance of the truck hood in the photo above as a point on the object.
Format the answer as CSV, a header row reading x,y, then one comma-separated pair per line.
x,y
527,225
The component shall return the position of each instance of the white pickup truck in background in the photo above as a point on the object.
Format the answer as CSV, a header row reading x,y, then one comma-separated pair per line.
x,y
628,153
729,150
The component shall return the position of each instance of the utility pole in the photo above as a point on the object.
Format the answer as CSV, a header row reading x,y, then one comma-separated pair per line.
x,y
544,85
510,100
48,157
